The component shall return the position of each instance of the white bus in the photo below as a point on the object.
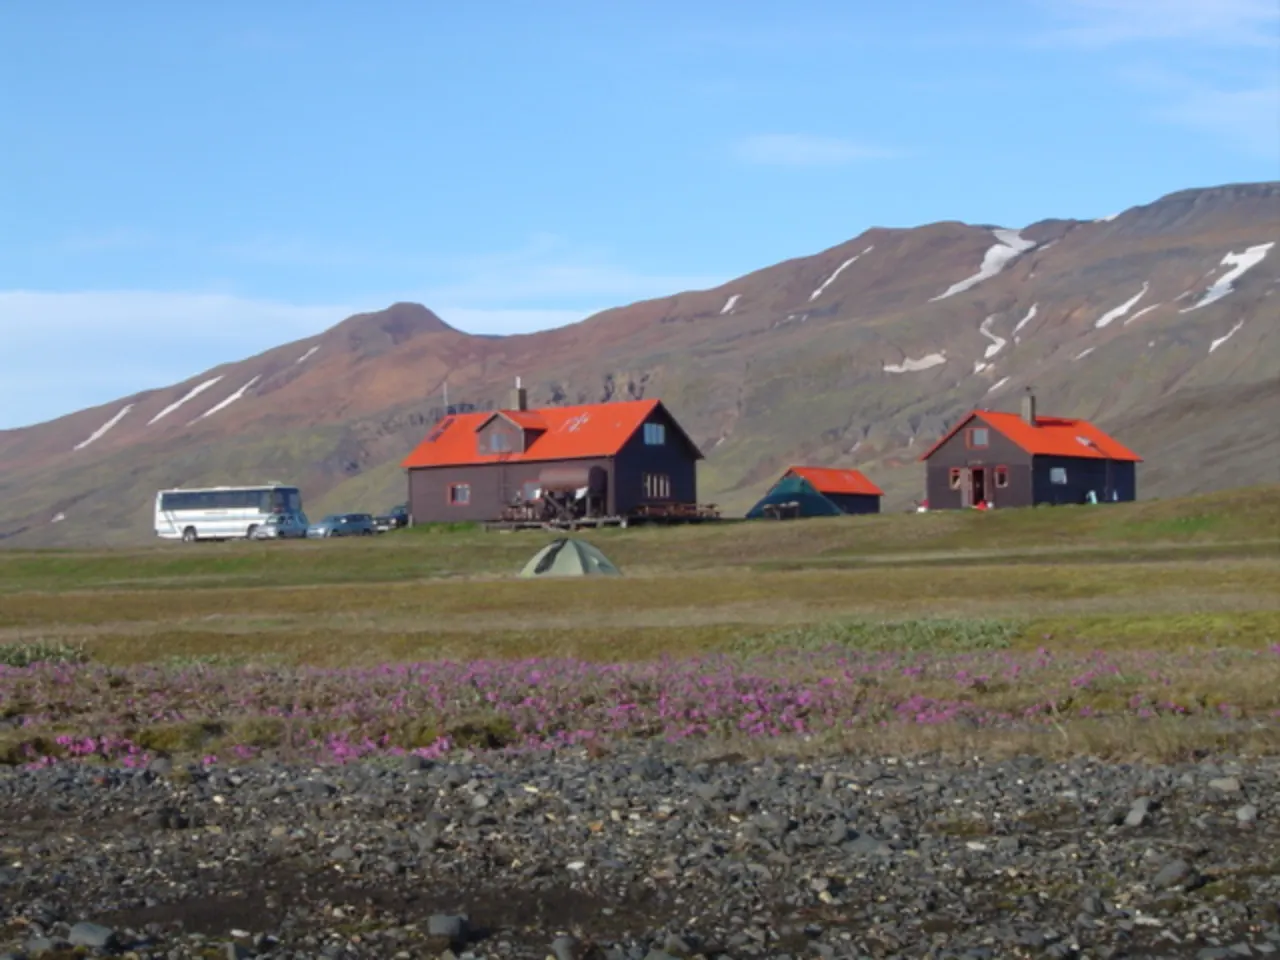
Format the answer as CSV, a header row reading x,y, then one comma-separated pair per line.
x,y
221,513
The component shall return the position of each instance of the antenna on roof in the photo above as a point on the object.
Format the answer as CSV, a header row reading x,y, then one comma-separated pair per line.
x,y
446,396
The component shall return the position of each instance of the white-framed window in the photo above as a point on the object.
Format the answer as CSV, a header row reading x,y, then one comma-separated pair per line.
x,y
459,494
1058,475
657,486
978,438
655,434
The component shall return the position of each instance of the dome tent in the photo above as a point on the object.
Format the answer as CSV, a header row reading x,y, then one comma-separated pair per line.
x,y
567,557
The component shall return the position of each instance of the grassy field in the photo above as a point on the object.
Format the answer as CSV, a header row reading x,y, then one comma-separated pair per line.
x,y
1188,582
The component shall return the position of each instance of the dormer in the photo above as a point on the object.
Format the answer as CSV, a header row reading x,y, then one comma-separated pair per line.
x,y
507,432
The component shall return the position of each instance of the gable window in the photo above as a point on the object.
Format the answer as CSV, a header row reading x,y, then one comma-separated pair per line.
x,y
1002,477
655,434
953,478
977,438
657,486
1058,475
459,494
499,442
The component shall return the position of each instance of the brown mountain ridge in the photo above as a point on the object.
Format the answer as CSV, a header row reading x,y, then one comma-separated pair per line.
x,y
1160,324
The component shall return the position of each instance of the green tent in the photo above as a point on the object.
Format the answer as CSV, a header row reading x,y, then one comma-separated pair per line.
x,y
567,557
794,489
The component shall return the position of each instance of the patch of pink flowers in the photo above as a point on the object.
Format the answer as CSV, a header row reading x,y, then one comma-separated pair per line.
x,y
341,715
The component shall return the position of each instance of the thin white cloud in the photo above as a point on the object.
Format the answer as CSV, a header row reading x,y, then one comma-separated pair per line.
x,y
805,150
1103,23
1250,119
68,350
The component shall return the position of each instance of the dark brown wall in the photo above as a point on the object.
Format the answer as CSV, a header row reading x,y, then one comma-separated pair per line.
x,y
492,487
676,458
855,502
1103,477
1000,451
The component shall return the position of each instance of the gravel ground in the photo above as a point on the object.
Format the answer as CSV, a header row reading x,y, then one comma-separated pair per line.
x,y
643,853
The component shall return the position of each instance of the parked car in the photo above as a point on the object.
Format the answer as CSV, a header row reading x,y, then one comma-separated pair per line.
x,y
281,526
343,525
393,519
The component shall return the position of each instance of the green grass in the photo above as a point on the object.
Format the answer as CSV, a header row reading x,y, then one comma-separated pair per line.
x,y
1236,524
1197,572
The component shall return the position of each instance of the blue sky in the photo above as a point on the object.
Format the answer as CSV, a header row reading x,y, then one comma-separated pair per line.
x,y
185,184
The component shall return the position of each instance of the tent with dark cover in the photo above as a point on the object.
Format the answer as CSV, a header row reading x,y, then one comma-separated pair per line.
x,y
818,492
567,557
793,496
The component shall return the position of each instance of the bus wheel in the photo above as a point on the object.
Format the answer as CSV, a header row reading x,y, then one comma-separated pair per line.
x,y
189,535
253,528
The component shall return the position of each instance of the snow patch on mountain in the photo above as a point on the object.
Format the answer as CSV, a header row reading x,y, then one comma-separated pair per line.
x,y
909,365
189,395
997,343
1010,245
728,304
1225,337
222,405
97,434
308,355
1239,264
1115,313
840,269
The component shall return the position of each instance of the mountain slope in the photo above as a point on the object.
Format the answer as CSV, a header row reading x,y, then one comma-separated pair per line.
x,y
861,354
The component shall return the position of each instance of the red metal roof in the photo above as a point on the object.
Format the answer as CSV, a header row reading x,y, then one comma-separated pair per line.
x,y
568,433
837,480
1051,436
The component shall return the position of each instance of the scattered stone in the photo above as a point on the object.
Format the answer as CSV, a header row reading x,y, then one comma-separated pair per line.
x,y
645,852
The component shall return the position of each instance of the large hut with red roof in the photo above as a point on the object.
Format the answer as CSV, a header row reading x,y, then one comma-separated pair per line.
x,y
1024,459
574,462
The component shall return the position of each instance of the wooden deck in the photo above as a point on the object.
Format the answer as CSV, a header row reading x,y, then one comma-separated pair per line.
x,y
676,513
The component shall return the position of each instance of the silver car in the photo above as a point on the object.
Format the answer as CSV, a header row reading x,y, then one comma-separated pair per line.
x,y
282,526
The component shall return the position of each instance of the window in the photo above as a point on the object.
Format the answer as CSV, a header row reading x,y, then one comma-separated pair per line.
x,y
657,486
498,442
1058,475
954,478
655,434
977,438
459,494
1002,477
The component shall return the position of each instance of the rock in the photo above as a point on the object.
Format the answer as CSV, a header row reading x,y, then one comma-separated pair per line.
x,y
1225,784
1139,812
453,928
92,935
1172,874
1247,814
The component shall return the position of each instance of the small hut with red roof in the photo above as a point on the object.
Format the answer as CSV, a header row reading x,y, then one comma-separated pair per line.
x,y
1020,460
818,492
